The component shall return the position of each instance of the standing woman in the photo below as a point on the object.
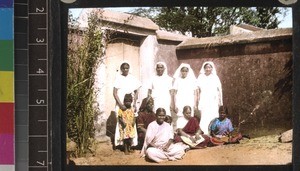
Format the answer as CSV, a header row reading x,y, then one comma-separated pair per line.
x,y
125,83
210,94
185,90
161,87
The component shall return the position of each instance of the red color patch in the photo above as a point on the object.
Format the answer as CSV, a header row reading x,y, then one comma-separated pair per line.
x,y
6,118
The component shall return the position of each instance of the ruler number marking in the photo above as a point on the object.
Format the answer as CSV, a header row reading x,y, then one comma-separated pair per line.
x,y
40,71
40,10
40,40
37,39
40,163
40,101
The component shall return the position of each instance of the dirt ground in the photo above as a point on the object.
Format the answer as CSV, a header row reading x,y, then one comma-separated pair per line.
x,y
265,150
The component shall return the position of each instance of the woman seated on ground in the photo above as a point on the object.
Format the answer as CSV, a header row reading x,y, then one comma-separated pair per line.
x,y
221,129
158,145
190,132
145,117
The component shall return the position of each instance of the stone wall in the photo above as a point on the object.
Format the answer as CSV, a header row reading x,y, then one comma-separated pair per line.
x,y
256,88
167,53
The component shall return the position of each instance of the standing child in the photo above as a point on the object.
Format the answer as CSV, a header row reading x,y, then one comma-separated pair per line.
x,y
127,124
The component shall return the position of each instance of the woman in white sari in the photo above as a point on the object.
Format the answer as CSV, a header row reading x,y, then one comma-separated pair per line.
x,y
158,145
125,83
210,95
185,90
161,86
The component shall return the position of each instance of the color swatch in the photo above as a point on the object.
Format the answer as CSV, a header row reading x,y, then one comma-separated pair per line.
x,y
7,134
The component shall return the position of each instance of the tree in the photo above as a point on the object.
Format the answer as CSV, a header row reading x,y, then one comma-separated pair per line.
x,y
210,21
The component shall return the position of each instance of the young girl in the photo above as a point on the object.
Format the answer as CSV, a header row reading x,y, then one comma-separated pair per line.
x,y
126,123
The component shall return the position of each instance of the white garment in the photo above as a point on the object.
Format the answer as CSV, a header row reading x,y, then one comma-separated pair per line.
x,y
159,136
175,152
161,86
181,122
185,89
185,95
125,85
210,99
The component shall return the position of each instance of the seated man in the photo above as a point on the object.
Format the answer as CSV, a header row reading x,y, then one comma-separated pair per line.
x,y
158,145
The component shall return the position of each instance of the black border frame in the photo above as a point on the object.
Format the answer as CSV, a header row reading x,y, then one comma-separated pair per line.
x,y
58,51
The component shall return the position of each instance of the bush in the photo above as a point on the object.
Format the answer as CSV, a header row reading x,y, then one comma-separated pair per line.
x,y
85,49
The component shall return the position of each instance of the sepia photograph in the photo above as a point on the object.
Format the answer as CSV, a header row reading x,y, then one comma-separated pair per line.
x,y
183,86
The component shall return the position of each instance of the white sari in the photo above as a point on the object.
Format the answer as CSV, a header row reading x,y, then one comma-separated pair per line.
x,y
161,86
210,97
159,136
185,91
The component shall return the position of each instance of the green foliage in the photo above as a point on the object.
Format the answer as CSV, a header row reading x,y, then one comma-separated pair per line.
x,y
84,54
210,21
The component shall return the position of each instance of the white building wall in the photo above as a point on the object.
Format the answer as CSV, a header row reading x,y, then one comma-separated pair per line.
x,y
148,52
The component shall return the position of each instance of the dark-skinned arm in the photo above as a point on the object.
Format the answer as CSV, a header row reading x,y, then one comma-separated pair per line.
x,y
119,103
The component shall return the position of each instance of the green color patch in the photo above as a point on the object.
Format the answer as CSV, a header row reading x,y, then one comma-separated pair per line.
x,y
6,55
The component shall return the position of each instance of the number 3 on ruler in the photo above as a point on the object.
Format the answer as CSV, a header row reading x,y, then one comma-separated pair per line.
x,y
39,40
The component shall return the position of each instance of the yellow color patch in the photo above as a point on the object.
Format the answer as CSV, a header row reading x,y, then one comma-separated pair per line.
x,y
6,86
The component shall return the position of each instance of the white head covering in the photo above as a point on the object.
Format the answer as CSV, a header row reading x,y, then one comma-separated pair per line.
x,y
165,66
190,74
214,71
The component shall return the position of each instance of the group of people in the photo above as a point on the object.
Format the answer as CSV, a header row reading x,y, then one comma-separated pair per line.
x,y
152,128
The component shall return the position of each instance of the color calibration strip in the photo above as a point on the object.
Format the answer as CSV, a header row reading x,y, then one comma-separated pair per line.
x,y
7,137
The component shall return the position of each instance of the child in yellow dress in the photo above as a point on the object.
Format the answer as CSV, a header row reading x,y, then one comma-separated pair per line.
x,y
126,124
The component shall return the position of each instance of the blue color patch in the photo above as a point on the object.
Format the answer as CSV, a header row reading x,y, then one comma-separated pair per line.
x,y
6,23
6,3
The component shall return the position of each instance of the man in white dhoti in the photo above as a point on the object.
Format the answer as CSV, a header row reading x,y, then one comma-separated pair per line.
x,y
158,145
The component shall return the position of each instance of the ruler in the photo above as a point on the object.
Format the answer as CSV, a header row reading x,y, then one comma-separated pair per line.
x,y
38,86
35,102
